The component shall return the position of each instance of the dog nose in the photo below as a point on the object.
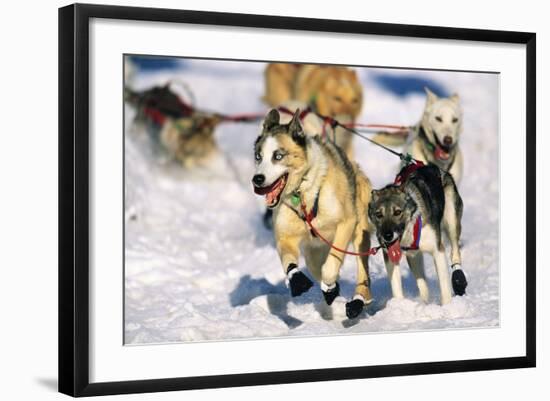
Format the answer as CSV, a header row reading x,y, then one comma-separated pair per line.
x,y
447,140
258,179
388,236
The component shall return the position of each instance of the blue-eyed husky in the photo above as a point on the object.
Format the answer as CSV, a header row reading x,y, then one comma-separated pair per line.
x,y
297,172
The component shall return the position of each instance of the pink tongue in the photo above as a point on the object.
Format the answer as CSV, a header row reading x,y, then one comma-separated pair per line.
x,y
269,197
394,252
272,195
440,153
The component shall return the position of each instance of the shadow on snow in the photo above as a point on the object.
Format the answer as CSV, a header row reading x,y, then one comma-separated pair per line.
x,y
278,297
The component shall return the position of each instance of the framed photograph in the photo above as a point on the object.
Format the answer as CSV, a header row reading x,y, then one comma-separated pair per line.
x,y
251,199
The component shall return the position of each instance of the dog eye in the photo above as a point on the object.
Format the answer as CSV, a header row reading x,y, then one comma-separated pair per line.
x,y
397,212
455,119
337,98
258,156
277,156
378,215
437,118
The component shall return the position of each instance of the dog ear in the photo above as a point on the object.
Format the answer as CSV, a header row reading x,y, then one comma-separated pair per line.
x,y
454,98
374,194
431,97
296,130
272,119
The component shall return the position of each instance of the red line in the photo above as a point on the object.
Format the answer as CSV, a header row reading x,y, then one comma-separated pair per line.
x,y
371,251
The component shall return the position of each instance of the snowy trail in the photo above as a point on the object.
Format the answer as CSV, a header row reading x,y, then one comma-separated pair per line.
x,y
201,266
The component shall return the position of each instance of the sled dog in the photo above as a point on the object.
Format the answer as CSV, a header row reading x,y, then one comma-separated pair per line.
x,y
330,90
312,125
300,173
409,217
186,135
191,140
436,137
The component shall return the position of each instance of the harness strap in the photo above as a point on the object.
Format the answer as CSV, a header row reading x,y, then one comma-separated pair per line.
x,y
417,231
400,179
406,171
314,210
307,217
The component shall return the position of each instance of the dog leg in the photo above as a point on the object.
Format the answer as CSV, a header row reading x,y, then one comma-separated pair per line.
x,y
315,256
416,263
440,262
289,252
394,275
331,268
363,295
452,216
456,169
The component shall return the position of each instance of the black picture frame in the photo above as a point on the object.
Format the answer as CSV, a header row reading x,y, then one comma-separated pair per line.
x,y
74,194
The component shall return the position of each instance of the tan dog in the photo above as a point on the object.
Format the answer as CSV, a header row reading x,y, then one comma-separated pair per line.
x,y
331,90
295,170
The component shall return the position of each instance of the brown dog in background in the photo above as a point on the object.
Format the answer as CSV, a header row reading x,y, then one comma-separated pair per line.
x,y
330,90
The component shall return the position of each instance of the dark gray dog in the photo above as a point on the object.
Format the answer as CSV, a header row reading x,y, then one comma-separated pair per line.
x,y
409,216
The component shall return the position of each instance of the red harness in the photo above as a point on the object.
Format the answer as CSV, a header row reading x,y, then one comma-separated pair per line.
x,y
417,230
308,217
400,179
406,171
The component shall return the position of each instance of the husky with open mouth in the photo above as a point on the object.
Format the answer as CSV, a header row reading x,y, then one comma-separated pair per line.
x,y
436,138
409,217
303,177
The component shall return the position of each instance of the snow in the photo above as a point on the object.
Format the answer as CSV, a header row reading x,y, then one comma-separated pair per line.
x,y
200,266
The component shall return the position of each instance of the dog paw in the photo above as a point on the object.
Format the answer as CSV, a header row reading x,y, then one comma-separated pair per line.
x,y
299,283
354,308
459,282
331,294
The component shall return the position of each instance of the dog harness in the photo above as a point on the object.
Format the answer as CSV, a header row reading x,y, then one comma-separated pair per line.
x,y
400,179
305,216
417,230
406,171
308,217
